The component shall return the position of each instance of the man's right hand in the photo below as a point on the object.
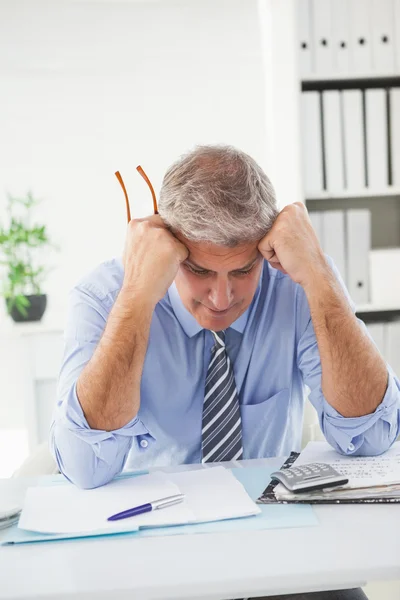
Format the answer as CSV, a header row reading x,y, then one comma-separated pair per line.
x,y
151,259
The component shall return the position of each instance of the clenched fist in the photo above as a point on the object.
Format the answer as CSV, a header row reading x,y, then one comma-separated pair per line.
x,y
151,259
292,247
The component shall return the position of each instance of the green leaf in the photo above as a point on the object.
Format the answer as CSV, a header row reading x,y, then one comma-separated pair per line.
x,y
19,242
21,304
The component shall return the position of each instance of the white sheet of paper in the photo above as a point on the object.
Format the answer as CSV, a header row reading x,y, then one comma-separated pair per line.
x,y
361,470
211,494
214,494
68,509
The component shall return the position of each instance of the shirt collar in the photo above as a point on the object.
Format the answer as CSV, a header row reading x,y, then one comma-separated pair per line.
x,y
189,324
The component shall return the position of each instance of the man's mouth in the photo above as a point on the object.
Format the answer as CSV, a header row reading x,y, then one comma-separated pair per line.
x,y
215,312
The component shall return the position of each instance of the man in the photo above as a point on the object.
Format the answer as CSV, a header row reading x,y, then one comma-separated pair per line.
x,y
199,345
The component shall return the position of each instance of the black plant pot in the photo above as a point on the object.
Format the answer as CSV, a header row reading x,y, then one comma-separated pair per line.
x,y
35,310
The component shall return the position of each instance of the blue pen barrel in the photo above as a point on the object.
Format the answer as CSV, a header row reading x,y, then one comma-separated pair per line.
x,y
132,512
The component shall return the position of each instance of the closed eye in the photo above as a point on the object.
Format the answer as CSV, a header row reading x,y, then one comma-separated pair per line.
x,y
243,272
204,272
197,271
246,272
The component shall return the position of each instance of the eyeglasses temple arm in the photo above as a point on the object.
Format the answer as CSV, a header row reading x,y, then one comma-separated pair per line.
x,y
128,210
147,180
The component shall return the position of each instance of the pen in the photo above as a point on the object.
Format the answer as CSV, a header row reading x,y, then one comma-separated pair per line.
x,y
144,508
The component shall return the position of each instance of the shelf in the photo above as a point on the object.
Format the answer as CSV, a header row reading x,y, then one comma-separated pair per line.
x,y
47,326
371,308
351,76
363,193
350,81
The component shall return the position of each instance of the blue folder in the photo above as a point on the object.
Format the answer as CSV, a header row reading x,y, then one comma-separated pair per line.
x,y
254,479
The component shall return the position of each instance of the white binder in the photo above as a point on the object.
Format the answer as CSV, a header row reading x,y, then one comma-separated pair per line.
x,y
316,222
322,35
340,36
377,142
306,50
395,134
358,228
384,280
383,46
334,242
312,143
333,141
353,133
396,21
360,37
392,350
378,333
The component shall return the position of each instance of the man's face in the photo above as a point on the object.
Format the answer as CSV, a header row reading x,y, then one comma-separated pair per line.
x,y
217,284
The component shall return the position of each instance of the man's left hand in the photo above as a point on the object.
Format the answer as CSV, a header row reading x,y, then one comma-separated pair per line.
x,y
292,247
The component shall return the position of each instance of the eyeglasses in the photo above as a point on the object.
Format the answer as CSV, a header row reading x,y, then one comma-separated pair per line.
x,y
147,180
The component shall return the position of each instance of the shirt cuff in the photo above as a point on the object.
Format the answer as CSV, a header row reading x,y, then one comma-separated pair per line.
x,y
70,414
348,432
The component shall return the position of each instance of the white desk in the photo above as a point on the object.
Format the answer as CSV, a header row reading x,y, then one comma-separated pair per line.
x,y
354,544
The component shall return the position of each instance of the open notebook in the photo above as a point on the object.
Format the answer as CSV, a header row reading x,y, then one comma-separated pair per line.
x,y
372,479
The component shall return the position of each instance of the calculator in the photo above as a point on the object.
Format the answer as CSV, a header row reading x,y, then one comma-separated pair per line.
x,y
312,476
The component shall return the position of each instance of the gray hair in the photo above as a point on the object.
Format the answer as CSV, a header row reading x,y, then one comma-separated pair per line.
x,y
218,194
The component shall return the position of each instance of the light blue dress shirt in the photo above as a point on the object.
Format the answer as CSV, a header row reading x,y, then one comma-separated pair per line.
x,y
276,363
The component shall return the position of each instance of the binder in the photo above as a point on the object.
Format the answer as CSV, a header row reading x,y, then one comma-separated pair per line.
x,y
353,139
363,495
394,102
322,36
340,36
306,49
396,21
377,332
333,143
312,143
334,242
382,15
316,222
392,350
377,141
360,37
358,229
384,276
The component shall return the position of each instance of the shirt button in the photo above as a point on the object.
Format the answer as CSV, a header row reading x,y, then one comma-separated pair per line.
x,y
351,447
144,443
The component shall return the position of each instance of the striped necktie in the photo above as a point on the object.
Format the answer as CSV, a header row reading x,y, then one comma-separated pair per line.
x,y
222,425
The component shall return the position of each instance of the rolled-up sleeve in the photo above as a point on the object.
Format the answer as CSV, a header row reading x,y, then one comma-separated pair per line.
x,y
371,434
87,457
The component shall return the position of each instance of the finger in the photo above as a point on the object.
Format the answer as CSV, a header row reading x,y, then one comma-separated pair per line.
x,y
278,267
155,220
273,258
268,254
266,248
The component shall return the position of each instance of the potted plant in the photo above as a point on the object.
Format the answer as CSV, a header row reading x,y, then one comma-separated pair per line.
x,y
20,245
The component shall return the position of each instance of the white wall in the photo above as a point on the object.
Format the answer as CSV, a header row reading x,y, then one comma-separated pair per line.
x,y
89,87
92,87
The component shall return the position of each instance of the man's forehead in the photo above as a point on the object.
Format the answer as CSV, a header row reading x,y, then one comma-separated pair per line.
x,y
211,256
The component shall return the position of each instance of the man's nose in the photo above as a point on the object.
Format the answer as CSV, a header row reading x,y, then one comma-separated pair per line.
x,y
221,294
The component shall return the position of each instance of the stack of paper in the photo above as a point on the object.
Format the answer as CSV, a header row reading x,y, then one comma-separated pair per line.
x,y
9,514
371,478
210,495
